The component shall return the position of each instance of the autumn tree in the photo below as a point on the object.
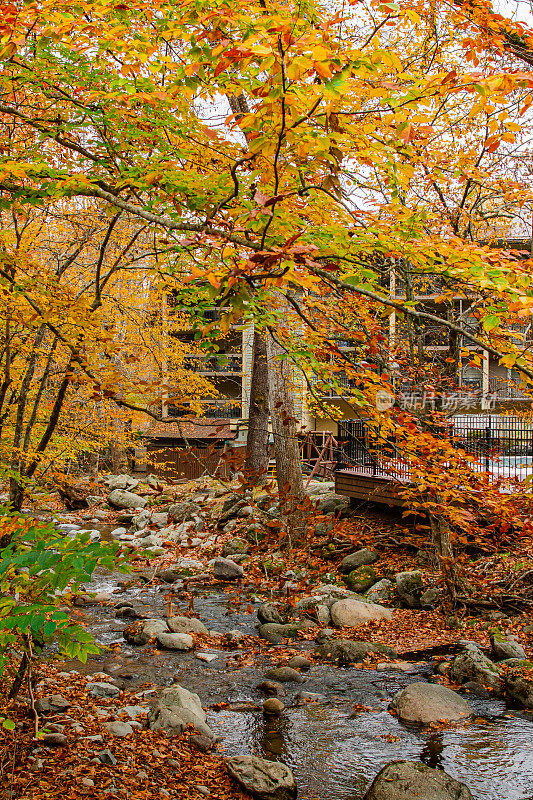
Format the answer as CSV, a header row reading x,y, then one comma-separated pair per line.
x,y
371,136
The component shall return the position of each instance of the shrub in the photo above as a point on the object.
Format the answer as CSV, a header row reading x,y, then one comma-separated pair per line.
x,y
40,568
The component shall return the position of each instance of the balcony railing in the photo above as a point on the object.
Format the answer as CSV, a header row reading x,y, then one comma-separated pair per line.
x,y
507,389
225,362
343,381
219,409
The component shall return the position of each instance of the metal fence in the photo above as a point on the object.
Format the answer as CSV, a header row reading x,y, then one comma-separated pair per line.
x,y
499,445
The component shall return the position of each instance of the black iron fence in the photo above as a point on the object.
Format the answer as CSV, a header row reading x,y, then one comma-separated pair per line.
x,y
499,445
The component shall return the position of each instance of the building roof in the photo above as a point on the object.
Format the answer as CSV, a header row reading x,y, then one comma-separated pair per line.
x,y
190,429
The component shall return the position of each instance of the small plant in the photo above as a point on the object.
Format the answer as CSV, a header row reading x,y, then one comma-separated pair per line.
x,y
39,569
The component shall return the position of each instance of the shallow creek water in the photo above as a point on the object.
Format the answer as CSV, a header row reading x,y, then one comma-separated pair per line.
x,y
333,750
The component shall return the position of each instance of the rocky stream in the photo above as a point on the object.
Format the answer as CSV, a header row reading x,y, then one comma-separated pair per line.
x,y
330,723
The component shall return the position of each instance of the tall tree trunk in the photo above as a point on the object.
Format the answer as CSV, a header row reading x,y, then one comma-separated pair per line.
x,y
257,447
440,533
286,448
16,490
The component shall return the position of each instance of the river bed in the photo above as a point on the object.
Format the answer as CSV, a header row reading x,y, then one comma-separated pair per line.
x,y
333,749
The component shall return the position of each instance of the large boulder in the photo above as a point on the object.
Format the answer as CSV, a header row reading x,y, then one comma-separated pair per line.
x,y
227,570
351,613
174,709
52,704
519,681
473,665
429,702
183,512
358,559
275,634
505,646
405,780
186,625
334,504
230,510
234,546
347,651
409,587
142,632
121,482
361,578
380,592
120,498
268,612
284,675
175,641
265,780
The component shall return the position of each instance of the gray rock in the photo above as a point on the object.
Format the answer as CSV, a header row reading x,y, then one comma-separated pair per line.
x,y
299,662
519,681
127,612
380,592
284,675
52,704
141,634
429,702
409,587
405,780
227,570
271,688
275,634
361,578
160,519
106,757
186,625
234,546
323,487
186,567
431,596
473,665
233,508
175,641
118,532
273,706
332,591
120,498
268,612
334,504
505,646
116,728
351,613
348,651
202,742
265,780
183,512
100,689
141,520
122,482
174,709
132,711
54,740
357,559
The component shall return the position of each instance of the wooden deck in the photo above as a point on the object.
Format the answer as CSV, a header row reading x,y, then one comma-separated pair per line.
x,y
361,485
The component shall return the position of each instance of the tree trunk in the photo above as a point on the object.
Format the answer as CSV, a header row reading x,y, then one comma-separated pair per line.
x,y
440,533
257,447
286,448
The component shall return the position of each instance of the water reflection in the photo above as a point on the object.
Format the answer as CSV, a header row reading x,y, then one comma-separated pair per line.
x,y
431,754
335,756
